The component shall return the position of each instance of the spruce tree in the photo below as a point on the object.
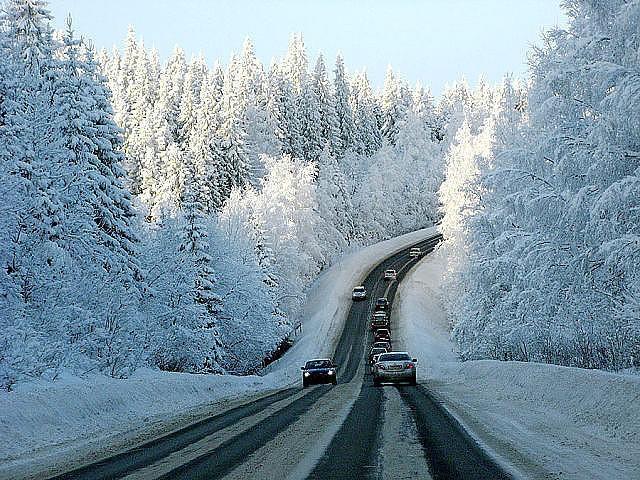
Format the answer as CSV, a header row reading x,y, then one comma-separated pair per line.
x,y
326,104
344,115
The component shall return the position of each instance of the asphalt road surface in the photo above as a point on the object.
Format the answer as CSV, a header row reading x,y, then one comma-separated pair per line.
x,y
351,431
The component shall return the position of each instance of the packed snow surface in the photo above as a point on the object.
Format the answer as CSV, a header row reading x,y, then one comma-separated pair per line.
x,y
45,425
544,421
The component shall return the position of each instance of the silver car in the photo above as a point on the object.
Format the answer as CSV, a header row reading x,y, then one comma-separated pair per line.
x,y
394,367
359,293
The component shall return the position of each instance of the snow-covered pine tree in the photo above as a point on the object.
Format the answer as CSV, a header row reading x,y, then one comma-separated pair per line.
x,y
295,65
283,110
260,126
204,143
97,231
310,124
344,115
367,136
235,170
189,103
425,110
334,200
326,104
204,325
396,103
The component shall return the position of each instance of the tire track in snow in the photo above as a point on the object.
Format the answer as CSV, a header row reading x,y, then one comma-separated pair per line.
x,y
401,456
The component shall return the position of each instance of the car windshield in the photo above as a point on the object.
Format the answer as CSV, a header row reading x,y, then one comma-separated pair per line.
x,y
358,289
382,300
319,364
375,351
391,357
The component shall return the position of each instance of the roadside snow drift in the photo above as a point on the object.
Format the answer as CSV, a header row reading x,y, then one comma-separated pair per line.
x,y
546,421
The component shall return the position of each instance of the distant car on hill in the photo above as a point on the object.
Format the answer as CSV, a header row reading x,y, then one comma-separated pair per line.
x,y
390,274
382,344
382,335
382,304
415,252
359,293
374,352
379,320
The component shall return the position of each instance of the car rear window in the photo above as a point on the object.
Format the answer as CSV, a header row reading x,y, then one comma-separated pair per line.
x,y
376,351
391,357
319,364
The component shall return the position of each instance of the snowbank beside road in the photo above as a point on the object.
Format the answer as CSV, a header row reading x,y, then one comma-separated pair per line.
x,y
546,421
45,426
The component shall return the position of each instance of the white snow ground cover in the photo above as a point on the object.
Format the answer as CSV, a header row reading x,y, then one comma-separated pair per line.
x,y
52,426
544,421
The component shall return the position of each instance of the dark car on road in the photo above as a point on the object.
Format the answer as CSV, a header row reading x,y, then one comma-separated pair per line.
x,y
320,370
382,304
382,335
382,344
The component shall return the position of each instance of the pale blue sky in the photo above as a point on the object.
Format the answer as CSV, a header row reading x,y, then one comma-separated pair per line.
x,y
431,41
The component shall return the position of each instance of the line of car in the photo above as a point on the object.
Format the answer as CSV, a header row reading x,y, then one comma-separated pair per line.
x,y
385,364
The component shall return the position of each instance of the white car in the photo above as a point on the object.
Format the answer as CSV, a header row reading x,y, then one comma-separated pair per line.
x,y
415,252
390,274
394,367
359,293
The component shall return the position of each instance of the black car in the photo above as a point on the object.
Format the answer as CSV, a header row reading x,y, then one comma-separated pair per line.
x,y
382,344
321,370
382,304
382,335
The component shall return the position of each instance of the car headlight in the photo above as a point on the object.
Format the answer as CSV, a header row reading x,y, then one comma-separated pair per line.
x,y
306,374
332,371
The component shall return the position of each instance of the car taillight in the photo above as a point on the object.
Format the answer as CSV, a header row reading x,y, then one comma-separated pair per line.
x,y
409,365
380,366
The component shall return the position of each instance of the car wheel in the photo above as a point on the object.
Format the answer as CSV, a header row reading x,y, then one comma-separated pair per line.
x,y
335,382
304,384
413,381
376,382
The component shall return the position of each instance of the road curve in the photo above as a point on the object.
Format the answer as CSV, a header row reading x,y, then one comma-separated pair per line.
x,y
322,432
